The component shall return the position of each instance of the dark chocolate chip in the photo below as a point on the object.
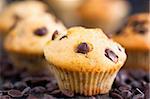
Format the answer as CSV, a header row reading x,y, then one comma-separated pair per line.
x,y
63,37
1,93
51,86
111,55
116,95
38,89
32,97
46,96
26,90
68,93
20,85
54,35
126,94
138,96
8,85
83,48
55,92
5,97
147,77
15,93
41,31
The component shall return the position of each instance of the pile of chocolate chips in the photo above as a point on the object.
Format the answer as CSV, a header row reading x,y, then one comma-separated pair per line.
x,y
131,84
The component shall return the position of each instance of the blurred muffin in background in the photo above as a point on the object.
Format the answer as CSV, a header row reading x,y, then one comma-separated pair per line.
x,y
135,37
25,42
2,4
66,10
107,14
18,11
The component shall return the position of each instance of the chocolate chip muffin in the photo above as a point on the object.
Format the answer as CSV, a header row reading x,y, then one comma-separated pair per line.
x,y
26,41
18,11
104,13
84,61
135,38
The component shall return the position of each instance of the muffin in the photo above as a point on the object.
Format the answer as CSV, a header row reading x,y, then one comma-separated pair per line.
x,y
66,10
25,42
104,13
84,61
135,38
18,11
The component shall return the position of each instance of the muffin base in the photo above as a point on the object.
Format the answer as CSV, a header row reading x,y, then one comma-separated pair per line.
x,y
84,83
138,60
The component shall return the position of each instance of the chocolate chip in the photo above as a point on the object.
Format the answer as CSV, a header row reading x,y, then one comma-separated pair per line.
x,y
68,93
138,96
46,96
38,89
115,95
15,93
54,35
32,97
50,86
147,77
8,85
26,90
55,92
139,27
126,94
20,85
63,37
83,48
111,55
1,93
41,31
5,97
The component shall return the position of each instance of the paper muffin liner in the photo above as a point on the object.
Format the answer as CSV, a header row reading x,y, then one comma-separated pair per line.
x,y
84,83
138,60
33,64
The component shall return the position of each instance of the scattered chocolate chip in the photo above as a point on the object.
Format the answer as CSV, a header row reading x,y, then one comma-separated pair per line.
x,y
20,85
51,86
119,48
115,95
5,97
139,27
46,96
15,93
8,85
32,97
26,90
83,48
38,89
63,37
126,94
55,92
54,35
41,31
111,55
1,93
68,93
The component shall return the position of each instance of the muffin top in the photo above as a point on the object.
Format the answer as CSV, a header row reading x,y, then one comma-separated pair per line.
x,y
136,33
19,10
84,49
31,34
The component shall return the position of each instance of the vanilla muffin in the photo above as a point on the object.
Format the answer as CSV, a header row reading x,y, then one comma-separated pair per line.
x,y
135,38
66,10
104,13
26,41
18,11
84,61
